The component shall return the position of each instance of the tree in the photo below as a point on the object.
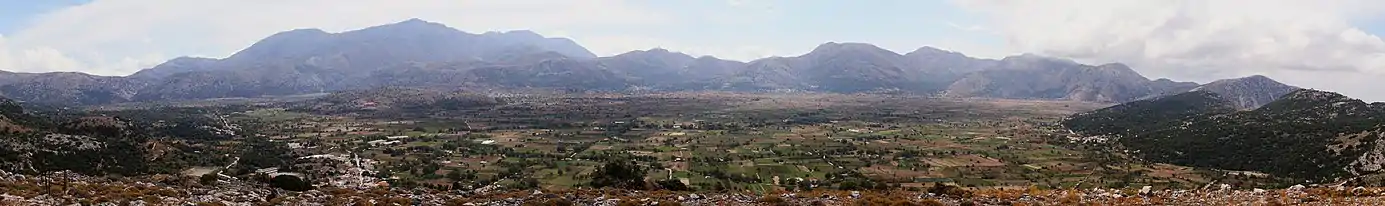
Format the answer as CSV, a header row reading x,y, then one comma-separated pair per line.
x,y
619,173
290,182
673,184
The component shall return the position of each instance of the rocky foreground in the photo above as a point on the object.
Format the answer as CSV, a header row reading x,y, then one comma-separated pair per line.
x,y
69,189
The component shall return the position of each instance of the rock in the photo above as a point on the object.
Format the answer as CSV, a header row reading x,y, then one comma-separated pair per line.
x,y
1295,188
1257,191
1145,190
855,194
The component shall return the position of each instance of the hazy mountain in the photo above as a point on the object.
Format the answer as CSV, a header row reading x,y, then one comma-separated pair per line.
x,y
417,53
235,83
563,46
1034,77
69,88
177,65
853,67
831,67
311,60
1248,92
938,68
707,67
1166,87
1304,134
649,67
567,74
768,74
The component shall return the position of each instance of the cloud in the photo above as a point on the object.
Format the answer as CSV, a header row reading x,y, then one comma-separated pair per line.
x,y
735,2
1309,43
117,37
972,28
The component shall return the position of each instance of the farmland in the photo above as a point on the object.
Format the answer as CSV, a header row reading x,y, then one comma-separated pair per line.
x,y
723,142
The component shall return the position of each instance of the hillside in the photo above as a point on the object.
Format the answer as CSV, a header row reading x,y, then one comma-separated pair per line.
x,y
1308,134
136,142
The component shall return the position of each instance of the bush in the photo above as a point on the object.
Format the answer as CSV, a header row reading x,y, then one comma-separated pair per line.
x,y
550,202
771,199
619,173
948,190
208,179
673,184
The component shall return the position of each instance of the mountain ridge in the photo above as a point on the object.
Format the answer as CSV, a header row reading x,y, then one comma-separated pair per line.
x,y
415,52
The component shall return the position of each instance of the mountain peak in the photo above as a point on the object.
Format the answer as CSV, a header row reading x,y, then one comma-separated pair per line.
x,y
517,34
835,47
655,52
1120,70
1114,66
411,25
931,50
414,21
1259,80
847,45
1318,102
1035,58
1315,95
1249,92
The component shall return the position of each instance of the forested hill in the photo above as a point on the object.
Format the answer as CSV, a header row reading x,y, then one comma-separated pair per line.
x,y
1307,134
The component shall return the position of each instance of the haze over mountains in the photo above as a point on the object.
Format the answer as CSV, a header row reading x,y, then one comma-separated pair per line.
x,y
417,53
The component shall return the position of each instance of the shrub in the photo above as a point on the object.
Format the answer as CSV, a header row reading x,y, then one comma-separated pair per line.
x,y
771,199
619,173
207,179
673,184
550,202
290,182
949,190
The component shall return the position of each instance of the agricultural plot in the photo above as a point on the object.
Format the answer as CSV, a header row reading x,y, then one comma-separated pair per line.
x,y
731,142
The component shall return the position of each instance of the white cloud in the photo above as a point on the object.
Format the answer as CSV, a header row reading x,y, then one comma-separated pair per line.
x,y
1304,42
117,37
735,2
972,28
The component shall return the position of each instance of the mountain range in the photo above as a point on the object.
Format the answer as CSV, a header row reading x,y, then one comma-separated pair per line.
x,y
417,53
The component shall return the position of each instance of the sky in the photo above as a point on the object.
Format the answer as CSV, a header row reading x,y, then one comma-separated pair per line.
x,y
1322,44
